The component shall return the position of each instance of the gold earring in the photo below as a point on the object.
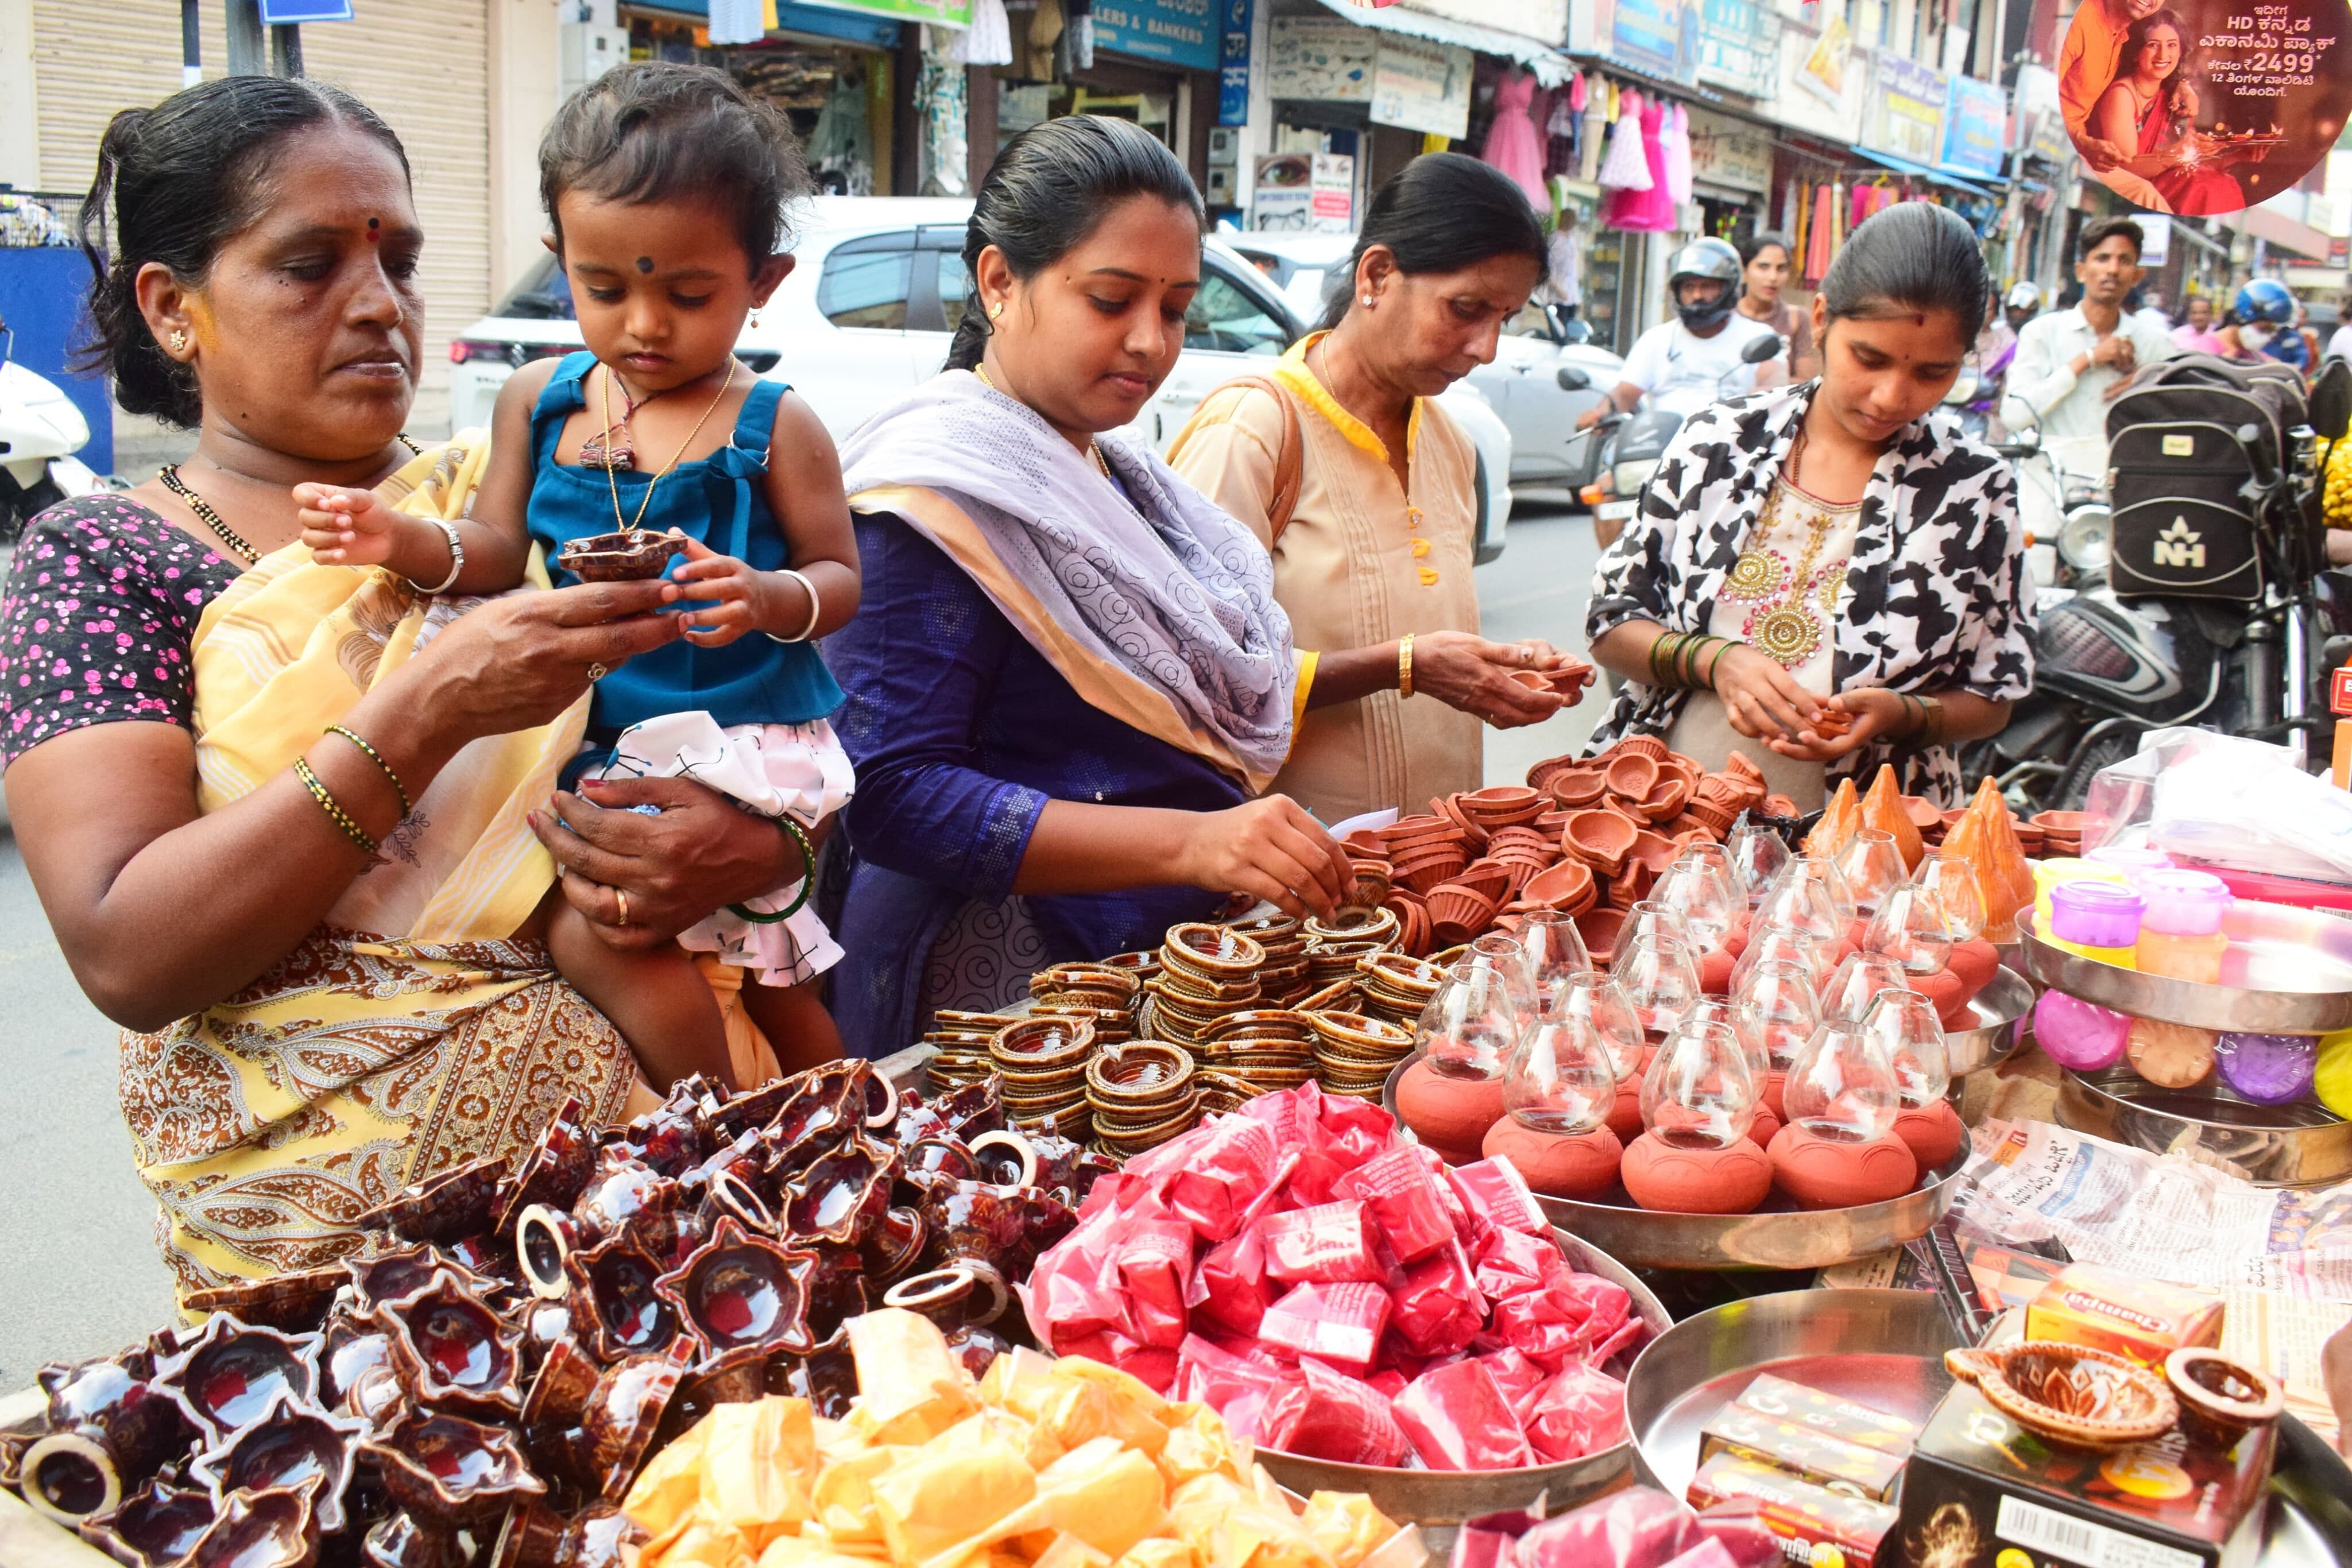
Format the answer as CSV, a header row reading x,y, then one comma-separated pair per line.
x,y
755,315
179,341
996,310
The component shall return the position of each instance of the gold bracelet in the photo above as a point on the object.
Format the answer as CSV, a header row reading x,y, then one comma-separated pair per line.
x,y
406,807
1405,665
335,812
1934,726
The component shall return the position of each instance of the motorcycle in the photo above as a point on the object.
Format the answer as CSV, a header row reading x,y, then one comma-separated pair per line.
x,y
1632,443
2108,670
40,430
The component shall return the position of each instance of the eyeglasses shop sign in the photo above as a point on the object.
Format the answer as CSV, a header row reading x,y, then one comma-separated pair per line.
x,y
1423,86
1905,113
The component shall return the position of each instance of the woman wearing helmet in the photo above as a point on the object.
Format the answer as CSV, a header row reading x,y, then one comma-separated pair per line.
x,y
1830,576
1693,360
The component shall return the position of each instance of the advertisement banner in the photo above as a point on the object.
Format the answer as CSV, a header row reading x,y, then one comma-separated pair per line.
x,y
1323,60
1737,46
1730,152
2155,238
1182,33
1233,64
953,13
1906,112
1660,37
1976,127
1423,86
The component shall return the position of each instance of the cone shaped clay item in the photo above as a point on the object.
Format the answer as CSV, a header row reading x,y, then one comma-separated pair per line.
x,y
1932,1132
1822,1174
1675,1180
1450,1114
1581,1166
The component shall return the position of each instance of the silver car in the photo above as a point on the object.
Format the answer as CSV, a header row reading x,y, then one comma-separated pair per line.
x,y
868,312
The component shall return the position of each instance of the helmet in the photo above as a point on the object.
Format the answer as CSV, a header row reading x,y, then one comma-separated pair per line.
x,y
1708,258
2022,296
2265,299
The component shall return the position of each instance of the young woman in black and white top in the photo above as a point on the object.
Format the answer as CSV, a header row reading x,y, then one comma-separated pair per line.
x,y
1838,548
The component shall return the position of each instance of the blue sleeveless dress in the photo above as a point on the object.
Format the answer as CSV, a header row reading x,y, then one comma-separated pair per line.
x,y
717,500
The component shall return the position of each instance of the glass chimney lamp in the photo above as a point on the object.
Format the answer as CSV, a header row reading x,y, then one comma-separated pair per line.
x,y
1699,1092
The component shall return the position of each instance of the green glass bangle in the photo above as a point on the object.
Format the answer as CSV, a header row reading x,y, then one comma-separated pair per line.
x,y
808,880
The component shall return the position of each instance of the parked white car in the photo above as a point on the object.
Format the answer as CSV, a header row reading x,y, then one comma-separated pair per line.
x,y
1522,383
868,312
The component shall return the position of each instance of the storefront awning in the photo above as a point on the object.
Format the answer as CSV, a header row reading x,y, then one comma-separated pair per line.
x,y
1550,67
1922,171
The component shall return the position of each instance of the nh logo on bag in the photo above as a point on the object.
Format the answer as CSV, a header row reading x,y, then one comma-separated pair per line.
x,y
2179,545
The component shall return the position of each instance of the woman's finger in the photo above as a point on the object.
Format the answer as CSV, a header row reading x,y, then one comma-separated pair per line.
x,y
595,603
1313,863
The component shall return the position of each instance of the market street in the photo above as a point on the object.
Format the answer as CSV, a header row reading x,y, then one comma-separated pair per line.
x,y
76,1256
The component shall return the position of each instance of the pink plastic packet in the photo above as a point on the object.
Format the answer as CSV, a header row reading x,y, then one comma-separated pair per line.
x,y
1511,1262
1073,1294
1489,1540
1602,1306
1495,1193
1435,1308
1541,1324
1458,1419
1326,1415
1152,1365
1155,1267
1353,1130
1516,1376
1638,1528
1221,1175
1326,1244
1340,1324
1742,1533
1230,1288
1401,1196
1708,1553
1578,1412
1235,1386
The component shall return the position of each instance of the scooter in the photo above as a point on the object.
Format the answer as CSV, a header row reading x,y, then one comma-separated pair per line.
x,y
40,430
2108,670
1632,443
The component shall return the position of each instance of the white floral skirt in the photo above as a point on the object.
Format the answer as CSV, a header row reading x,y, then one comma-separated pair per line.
x,y
775,769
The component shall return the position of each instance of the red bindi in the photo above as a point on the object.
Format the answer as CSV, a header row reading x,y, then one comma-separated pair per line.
x,y
374,224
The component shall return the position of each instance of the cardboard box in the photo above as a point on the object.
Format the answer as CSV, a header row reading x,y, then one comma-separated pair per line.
x,y
1981,1491
1840,1419
2109,1309
1813,1526
1809,1455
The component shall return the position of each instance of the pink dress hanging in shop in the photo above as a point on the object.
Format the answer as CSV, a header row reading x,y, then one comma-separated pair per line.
x,y
1512,144
1650,211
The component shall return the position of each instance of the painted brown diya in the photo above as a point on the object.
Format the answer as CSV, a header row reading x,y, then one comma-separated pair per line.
x,y
630,555
289,1447
741,1290
456,1351
229,1374
2069,1393
2221,1399
157,1525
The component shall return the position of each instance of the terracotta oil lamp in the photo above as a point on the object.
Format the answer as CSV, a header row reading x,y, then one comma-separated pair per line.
x,y
274,1529
228,1375
1779,1007
1594,998
1907,1029
450,1207
557,1170
1839,1149
1558,1093
741,1290
622,1418
614,1302
109,1430
156,1526
457,1353
444,1474
287,1447
1698,1101
296,1301
841,1196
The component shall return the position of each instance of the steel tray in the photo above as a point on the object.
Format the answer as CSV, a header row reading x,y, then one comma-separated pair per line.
x,y
2303,1145
1998,1012
1439,1500
2288,971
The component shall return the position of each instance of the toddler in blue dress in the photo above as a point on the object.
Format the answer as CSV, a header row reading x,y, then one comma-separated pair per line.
x,y
665,188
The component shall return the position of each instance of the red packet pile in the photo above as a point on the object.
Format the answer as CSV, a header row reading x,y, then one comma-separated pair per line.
x,y
1334,1291
1638,1528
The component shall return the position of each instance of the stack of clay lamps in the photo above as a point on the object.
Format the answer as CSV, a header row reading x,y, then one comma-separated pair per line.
x,y
1041,1069
1354,1052
1425,851
1206,972
1251,1053
962,1040
1099,994
1335,946
1395,987
1142,1093
1286,977
2062,833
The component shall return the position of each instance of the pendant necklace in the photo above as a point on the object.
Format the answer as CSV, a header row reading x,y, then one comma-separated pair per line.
x,y
613,483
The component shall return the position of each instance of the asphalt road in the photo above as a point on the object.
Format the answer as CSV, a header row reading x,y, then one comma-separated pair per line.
x,y
79,1271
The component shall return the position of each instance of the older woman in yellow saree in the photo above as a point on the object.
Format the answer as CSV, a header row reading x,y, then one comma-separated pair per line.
x,y
288,821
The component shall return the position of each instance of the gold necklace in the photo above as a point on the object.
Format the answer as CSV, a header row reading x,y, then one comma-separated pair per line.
x,y
613,485
213,520
1093,447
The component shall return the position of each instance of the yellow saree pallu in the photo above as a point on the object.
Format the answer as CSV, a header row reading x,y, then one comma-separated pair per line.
x,y
407,1034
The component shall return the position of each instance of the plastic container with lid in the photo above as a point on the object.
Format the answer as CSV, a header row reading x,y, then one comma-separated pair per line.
x,y
2057,873
2132,864
2180,925
2097,919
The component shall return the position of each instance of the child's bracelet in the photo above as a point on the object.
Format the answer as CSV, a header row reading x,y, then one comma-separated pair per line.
x,y
457,558
817,610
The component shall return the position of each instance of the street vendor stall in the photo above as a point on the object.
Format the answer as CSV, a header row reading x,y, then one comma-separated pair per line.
x,y
1359,1242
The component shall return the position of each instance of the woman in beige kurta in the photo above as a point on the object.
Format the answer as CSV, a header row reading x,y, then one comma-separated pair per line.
x,y
1376,548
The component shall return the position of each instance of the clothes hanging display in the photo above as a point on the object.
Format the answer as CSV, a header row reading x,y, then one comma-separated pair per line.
x,y
841,147
1649,209
1675,136
989,40
1564,252
940,95
1624,168
1511,144
1595,123
1818,247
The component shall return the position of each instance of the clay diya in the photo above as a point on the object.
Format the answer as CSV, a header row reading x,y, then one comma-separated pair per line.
x,y
449,1472
622,1416
953,1297
272,1528
741,1290
455,1204
1599,928
296,1301
228,1374
1580,786
1601,839
629,555
842,1196
557,1168
1698,1102
2221,1399
2069,1393
110,1430
613,1302
457,1353
155,1526
1631,776
290,1448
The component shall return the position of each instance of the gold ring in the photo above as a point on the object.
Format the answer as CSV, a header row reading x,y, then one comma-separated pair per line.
x,y
597,671
625,904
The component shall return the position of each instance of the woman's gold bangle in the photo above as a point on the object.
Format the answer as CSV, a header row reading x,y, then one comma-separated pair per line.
x,y
329,804
407,807
1405,665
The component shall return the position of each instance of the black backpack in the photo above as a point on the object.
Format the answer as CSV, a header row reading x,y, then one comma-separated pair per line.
x,y
2187,443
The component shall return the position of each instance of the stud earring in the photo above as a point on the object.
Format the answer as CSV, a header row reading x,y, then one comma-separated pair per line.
x,y
996,310
179,341
1368,299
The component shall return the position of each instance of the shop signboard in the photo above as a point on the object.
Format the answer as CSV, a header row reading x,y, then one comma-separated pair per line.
x,y
1423,86
1333,204
1323,60
1234,62
1820,69
952,13
293,13
1546,21
1299,193
1729,153
1736,46
2155,239
1976,127
1906,110
1659,36
1182,33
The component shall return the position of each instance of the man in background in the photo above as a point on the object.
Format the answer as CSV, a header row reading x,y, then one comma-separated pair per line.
x,y
2072,362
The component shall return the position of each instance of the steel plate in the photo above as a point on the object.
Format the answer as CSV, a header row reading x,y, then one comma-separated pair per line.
x,y
2301,1145
1998,1012
1446,1498
2288,971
